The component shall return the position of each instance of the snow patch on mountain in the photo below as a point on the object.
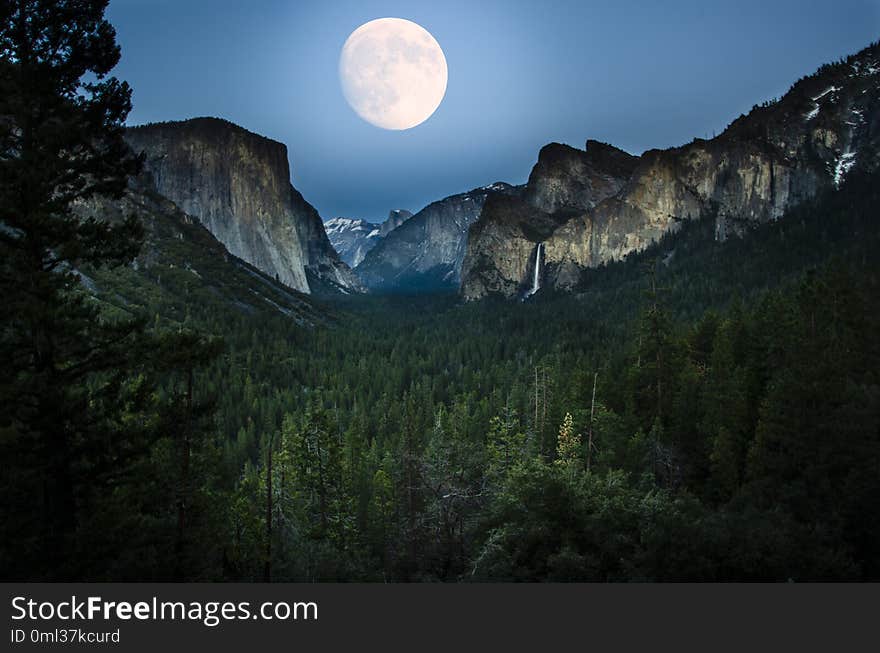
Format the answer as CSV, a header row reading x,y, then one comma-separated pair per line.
x,y
846,161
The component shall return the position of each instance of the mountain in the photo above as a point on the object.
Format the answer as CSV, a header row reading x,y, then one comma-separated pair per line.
x,y
237,184
426,251
396,217
586,207
182,270
352,238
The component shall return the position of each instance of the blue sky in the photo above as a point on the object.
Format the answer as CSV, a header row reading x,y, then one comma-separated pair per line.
x,y
639,75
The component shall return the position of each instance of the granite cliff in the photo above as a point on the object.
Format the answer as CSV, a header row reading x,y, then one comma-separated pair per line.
x,y
582,208
182,267
237,184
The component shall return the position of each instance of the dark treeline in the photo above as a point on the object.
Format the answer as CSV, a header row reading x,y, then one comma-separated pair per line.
x,y
699,411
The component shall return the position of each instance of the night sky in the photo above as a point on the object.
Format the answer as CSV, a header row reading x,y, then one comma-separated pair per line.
x,y
521,74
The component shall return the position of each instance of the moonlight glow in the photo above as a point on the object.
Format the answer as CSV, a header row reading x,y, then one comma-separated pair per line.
x,y
393,73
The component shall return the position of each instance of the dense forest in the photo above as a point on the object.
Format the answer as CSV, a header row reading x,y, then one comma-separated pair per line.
x,y
702,410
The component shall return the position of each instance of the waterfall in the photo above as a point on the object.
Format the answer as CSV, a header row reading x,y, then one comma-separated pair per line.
x,y
536,281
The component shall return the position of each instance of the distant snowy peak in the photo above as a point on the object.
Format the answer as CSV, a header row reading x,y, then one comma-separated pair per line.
x,y
341,225
353,238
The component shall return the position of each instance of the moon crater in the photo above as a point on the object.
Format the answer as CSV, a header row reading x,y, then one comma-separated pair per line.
x,y
393,73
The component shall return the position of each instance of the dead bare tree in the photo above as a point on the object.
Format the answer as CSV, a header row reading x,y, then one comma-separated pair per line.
x,y
267,570
592,413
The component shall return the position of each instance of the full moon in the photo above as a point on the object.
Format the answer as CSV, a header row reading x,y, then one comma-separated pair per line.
x,y
393,73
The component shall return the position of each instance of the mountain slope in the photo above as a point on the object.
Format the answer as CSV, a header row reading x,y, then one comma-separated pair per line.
x,y
587,208
237,184
184,271
426,251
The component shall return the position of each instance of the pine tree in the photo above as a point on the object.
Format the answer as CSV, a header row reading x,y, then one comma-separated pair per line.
x,y
505,446
568,447
382,517
318,475
411,500
63,387
654,366
187,418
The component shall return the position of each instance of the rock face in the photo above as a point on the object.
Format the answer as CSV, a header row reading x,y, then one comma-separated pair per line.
x,y
566,179
426,251
182,264
595,205
352,238
396,217
237,184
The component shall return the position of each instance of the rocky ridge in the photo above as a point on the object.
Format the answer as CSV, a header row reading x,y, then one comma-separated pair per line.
x,y
587,207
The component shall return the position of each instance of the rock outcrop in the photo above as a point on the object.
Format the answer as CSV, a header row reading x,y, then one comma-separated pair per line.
x,y
426,251
396,217
237,184
597,205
